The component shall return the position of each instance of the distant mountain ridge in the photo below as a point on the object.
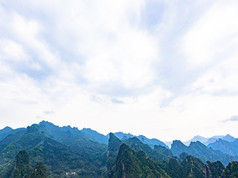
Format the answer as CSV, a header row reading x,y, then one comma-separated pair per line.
x,y
136,163
151,142
225,146
4,132
207,141
201,151
8,130
95,136
69,152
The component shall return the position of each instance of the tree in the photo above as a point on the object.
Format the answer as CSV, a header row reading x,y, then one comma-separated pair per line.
x,y
21,168
39,171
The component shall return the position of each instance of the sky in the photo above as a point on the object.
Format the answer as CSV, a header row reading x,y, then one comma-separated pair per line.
x,y
166,69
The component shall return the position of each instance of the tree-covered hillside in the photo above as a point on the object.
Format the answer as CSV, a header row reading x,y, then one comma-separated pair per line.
x,y
46,150
201,151
59,158
226,146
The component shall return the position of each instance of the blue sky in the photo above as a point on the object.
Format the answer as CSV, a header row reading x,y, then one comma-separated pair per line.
x,y
164,69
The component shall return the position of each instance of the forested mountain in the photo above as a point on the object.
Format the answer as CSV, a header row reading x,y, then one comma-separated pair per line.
x,y
131,164
4,132
114,144
201,151
23,168
151,142
227,137
59,158
158,154
76,140
225,146
231,170
122,136
7,131
47,150
213,169
95,136
183,166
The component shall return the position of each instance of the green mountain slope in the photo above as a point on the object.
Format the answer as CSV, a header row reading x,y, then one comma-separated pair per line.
x,y
192,167
224,146
173,168
113,148
79,142
4,132
151,142
231,170
58,158
22,165
158,154
95,136
213,169
48,150
201,151
132,164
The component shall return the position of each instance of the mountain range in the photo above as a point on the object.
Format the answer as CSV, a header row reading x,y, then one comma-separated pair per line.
x,y
47,150
207,141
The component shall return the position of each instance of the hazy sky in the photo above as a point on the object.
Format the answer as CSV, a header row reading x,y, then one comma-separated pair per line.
x,y
162,68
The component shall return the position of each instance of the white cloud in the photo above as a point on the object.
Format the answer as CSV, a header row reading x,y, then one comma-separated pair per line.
x,y
27,31
220,78
12,51
127,61
105,40
78,59
213,36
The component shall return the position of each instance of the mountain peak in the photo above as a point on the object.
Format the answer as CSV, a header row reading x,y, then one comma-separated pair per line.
x,y
197,144
177,142
43,122
33,128
178,147
94,135
135,140
196,138
88,129
228,138
123,136
7,128
112,137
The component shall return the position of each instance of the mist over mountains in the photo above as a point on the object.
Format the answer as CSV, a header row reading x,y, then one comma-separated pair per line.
x,y
70,152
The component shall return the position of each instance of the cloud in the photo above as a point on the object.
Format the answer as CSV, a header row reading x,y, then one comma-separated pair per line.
x,y
114,100
213,36
104,48
168,63
233,119
12,51
48,112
